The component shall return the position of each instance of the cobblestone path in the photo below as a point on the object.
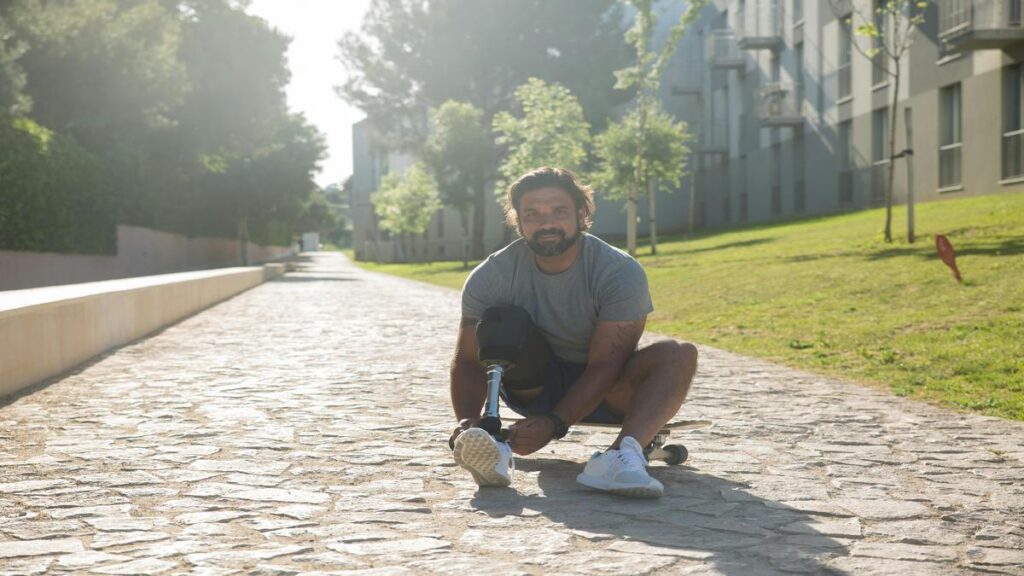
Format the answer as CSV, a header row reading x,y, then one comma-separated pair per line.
x,y
300,428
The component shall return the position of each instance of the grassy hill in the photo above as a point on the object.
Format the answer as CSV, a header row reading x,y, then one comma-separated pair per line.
x,y
828,295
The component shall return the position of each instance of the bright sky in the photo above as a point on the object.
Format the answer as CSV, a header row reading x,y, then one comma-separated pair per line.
x,y
315,27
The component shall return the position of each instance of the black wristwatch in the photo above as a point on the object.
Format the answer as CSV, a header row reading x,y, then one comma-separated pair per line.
x,y
561,428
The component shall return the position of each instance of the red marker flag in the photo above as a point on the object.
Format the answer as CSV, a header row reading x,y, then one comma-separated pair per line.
x,y
947,255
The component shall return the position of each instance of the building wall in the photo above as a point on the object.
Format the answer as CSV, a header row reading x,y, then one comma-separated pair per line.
x,y
748,166
140,252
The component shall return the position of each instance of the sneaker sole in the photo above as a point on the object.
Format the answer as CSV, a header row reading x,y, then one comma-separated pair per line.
x,y
476,452
630,491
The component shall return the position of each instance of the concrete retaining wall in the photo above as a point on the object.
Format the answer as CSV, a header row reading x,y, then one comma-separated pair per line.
x,y
140,252
45,332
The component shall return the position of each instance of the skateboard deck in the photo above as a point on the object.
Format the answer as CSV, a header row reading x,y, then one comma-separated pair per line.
x,y
671,454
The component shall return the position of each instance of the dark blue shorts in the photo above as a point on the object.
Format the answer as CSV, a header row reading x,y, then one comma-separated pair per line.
x,y
559,376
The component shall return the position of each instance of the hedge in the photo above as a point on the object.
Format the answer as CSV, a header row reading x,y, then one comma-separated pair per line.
x,y
54,195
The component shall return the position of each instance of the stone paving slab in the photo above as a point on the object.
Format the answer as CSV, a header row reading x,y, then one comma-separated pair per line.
x,y
300,428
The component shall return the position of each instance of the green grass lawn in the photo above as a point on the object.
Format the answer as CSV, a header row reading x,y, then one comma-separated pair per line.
x,y
828,295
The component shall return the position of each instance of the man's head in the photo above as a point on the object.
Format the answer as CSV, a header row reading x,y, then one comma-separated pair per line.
x,y
550,208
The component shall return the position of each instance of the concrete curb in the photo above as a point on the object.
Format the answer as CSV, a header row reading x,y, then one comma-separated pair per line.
x,y
45,332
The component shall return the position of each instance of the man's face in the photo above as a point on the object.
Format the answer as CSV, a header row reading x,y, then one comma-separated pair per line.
x,y
548,220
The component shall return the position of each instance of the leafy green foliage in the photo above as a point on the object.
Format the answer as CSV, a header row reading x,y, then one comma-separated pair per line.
x,y
460,152
664,146
54,195
413,55
100,68
551,131
12,78
406,202
182,103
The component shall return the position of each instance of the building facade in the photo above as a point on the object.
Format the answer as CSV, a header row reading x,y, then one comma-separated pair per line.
x,y
791,119
793,116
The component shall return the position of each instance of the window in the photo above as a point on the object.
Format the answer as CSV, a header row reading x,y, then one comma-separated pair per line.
x,y
879,155
776,177
776,67
846,164
845,71
1013,122
742,170
798,56
879,61
880,135
799,187
951,137
798,11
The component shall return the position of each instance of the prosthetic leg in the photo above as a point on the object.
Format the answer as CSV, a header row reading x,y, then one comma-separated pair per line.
x,y
511,348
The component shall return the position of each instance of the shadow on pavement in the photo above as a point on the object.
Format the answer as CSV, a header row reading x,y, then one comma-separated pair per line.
x,y
701,517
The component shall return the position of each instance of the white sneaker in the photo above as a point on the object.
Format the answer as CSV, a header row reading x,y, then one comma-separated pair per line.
x,y
489,461
622,471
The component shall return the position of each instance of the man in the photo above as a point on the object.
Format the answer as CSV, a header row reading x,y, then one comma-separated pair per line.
x,y
590,301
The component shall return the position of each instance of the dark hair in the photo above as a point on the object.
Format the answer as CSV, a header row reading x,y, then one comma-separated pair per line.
x,y
548,177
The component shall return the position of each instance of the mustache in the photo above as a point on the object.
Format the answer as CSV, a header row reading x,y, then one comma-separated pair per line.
x,y
547,232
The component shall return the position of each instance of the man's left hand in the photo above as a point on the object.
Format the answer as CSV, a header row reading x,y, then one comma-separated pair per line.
x,y
530,434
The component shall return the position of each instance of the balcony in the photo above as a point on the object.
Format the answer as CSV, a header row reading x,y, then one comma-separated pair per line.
x,y
724,51
778,106
981,24
760,27
715,137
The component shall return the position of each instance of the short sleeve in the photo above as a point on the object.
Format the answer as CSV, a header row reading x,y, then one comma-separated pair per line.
x,y
624,294
478,292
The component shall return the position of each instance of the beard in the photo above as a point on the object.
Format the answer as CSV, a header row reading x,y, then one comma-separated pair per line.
x,y
556,249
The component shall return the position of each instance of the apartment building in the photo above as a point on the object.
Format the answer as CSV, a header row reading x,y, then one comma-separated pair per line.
x,y
793,119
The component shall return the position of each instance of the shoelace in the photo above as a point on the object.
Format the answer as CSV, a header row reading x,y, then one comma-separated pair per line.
x,y
631,459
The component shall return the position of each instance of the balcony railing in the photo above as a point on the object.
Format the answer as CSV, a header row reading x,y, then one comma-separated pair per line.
x,y
981,24
950,159
1013,155
778,105
760,25
724,50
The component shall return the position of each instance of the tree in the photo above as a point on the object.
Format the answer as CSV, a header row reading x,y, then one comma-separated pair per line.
x,y
460,153
13,100
665,156
405,203
414,55
645,77
100,69
892,25
551,131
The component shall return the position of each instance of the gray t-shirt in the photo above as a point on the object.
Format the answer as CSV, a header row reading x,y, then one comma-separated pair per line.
x,y
604,283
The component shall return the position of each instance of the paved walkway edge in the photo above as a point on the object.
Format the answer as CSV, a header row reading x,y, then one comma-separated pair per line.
x,y
46,332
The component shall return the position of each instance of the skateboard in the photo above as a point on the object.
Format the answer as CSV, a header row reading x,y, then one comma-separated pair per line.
x,y
671,454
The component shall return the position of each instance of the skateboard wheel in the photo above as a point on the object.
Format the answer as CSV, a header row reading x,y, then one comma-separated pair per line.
x,y
677,454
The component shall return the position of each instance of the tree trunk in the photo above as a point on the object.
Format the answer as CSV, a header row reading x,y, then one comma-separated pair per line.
x,y
631,223
650,216
910,173
693,203
465,241
479,217
892,148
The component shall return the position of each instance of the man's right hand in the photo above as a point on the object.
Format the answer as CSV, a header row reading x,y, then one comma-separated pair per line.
x,y
464,424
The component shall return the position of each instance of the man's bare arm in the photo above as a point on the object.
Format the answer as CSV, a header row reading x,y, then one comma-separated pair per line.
x,y
468,378
610,348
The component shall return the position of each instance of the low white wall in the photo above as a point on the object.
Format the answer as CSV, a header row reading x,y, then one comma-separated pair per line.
x,y
140,252
45,332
